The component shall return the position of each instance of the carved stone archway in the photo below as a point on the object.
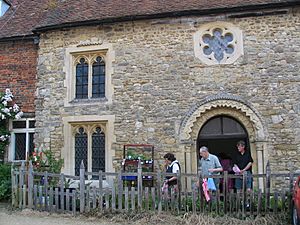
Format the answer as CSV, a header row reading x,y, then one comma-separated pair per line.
x,y
227,105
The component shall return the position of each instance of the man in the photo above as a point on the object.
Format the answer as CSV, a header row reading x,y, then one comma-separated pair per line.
x,y
210,165
244,162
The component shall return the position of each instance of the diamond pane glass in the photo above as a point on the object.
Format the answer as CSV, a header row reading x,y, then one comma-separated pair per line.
x,y
20,146
98,150
98,85
82,79
81,149
31,144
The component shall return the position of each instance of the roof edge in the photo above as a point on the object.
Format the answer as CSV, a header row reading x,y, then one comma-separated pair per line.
x,y
33,37
169,14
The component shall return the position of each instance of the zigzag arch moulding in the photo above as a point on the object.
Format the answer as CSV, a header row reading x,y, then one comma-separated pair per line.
x,y
219,102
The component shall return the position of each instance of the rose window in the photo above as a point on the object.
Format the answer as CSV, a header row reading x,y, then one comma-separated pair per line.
x,y
220,44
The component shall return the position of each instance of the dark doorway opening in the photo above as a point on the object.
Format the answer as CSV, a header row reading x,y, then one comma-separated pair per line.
x,y
220,134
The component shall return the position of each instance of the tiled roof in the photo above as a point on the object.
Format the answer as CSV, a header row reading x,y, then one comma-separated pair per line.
x,y
26,15
21,18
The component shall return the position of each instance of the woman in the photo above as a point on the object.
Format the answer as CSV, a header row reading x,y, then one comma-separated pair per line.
x,y
172,166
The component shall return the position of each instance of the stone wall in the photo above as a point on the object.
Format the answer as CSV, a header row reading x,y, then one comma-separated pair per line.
x,y
157,80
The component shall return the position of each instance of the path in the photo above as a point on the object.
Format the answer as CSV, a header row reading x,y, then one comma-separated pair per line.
x,y
29,217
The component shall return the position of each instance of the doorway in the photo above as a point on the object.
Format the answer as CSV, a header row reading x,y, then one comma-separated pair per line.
x,y
220,134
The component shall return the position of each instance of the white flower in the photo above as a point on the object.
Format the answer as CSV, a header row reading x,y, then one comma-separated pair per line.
x,y
2,116
19,115
5,110
3,138
4,103
16,108
7,98
8,92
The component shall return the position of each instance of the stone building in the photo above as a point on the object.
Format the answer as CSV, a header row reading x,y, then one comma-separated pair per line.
x,y
174,74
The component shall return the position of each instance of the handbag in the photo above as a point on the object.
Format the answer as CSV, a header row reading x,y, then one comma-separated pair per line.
x,y
211,184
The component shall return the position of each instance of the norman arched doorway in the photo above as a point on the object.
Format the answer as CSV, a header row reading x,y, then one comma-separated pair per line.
x,y
220,134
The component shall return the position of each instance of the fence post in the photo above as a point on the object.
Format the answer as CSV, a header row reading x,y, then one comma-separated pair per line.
x,y
291,177
120,190
268,185
244,193
225,190
21,183
13,184
62,191
30,185
140,185
159,206
46,190
100,191
82,187
179,190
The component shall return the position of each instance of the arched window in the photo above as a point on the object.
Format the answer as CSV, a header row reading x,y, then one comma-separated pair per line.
x,y
82,79
81,149
98,150
90,77
89,147
98,89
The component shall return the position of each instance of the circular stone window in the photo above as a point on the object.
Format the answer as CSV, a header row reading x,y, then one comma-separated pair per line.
x,y
218,43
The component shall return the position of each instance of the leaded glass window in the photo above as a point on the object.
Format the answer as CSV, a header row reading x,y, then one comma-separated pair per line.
x,y
81,150
98,150
218,43
90,77
20,146
89,147
98,85
82,79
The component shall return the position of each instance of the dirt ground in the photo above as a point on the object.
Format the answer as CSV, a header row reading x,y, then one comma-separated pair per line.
x,y
29,217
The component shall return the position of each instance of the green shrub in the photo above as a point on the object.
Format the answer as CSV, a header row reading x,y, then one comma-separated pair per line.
x,y
5,182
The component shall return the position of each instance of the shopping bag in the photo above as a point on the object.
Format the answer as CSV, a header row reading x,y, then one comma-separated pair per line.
x,y
205,190
211,184
236,169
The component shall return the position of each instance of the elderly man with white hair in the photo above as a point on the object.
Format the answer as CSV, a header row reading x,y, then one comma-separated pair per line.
x,y
210,165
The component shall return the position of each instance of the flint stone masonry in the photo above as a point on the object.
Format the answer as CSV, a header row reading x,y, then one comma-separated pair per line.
x,y
157,80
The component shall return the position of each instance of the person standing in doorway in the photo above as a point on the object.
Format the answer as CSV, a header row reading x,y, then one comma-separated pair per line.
x,y
210,165
243,162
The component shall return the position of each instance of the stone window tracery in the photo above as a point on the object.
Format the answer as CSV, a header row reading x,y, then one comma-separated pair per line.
x,y
90,76
218,43
89,147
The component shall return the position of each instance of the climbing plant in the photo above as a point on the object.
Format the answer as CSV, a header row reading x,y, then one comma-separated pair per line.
x,y
8,110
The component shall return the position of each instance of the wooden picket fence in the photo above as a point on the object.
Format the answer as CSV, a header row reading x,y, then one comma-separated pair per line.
x,y
50,192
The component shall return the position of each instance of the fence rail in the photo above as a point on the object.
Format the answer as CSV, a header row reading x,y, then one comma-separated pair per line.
x,y
52,192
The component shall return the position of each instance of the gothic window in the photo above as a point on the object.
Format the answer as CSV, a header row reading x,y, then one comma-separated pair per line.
x,y
88,74
90,77
89,148
81,149
21,142
98,89
218,43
